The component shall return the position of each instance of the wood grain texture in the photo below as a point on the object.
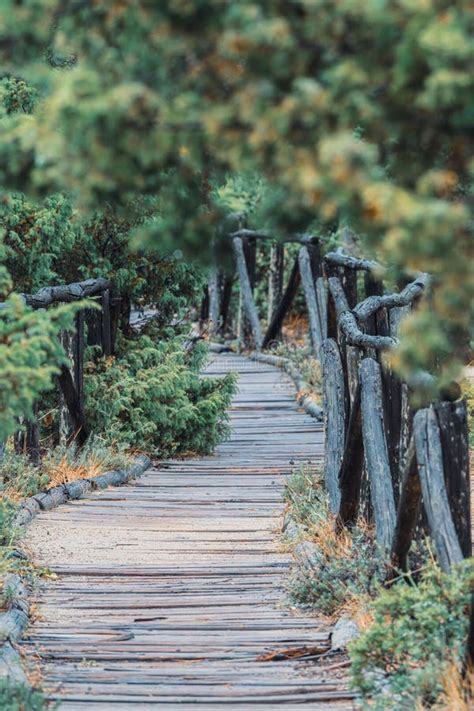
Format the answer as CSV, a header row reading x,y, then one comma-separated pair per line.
x,y
169,590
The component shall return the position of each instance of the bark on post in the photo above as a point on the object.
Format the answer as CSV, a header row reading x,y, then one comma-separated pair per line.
x,y
454,432
335,408
226,295
322,300
314,252
249,245
408,510
248,303
310,295
349,283
275,278
106,326
214,307
351,471
376,453
204,313
284,305
349,353
435,498
115,300
75,420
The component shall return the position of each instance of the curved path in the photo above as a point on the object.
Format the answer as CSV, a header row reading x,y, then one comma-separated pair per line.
x,y
166,592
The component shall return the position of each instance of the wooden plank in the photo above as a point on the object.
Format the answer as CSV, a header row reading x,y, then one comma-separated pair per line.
x,y
169,590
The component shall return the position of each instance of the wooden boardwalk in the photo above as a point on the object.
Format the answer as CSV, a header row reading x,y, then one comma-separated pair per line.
x,y
169,590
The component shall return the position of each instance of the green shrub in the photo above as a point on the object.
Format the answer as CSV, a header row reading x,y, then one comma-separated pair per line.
x,y
152,398
19,697
418,633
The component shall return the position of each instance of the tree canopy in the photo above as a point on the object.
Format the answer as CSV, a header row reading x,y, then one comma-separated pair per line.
x,y
356,112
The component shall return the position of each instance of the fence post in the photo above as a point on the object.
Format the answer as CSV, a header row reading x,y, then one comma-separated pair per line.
x,y
106,325
352,467
72,421
435,498
247,301
376,453
335,409
408,509
274,326
226,295
275,278
454,433
310,296
214,305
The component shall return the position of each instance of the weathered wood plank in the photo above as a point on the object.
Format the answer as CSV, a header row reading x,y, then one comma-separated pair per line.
x,y
169,589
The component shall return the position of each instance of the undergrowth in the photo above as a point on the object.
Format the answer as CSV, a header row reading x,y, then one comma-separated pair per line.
x,y
152,397
306,363
19,697
414,650
348,567
410,652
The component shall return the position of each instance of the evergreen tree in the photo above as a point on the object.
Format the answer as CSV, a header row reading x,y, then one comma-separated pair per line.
x,y
355,111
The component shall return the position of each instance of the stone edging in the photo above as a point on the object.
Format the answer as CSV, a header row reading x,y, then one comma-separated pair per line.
x,y
14,620
49,499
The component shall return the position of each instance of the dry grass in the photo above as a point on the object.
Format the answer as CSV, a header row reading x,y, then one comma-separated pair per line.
x,y
19,478
295,329
359,609
65,471
458,691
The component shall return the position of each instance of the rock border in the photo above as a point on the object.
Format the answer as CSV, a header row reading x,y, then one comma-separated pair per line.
x,y
15,619
57,495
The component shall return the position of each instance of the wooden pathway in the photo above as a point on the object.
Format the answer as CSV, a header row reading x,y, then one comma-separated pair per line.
x,y
168,591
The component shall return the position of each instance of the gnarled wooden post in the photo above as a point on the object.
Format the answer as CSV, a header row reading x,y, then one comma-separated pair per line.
x,y
408,510
322,301
248,303
454,432
435,498
376,453
311,302
351,471
275,278
72,420
285,303
214,306
335,407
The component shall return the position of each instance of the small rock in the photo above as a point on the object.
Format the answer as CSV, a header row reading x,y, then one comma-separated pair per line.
x,y
345,630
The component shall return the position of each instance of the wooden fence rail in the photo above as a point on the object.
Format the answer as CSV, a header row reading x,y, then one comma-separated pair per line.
x,y
385,459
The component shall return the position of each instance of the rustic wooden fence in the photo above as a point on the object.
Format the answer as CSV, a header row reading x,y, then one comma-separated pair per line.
x,y
405,469
92,327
